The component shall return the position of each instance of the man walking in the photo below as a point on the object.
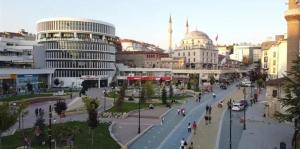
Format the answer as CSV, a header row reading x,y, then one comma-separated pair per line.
x,y
209,110
206,108
189,128
194,127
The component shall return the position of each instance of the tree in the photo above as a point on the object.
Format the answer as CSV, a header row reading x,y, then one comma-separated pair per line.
x,y
91,106
149,89
29,87
292,90
120,101
171,93
142,95
164,95
39,129
8,117
212,80
60,107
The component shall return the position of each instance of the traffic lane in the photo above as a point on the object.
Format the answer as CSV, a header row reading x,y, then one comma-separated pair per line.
x,y
173,139
236,130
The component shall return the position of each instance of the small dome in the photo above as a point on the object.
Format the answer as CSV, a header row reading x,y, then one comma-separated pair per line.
x,y
196,35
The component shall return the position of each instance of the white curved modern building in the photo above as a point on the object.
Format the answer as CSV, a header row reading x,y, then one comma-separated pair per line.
x,y
78,49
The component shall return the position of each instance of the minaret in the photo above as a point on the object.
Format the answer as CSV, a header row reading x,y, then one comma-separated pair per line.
x,y
170,31
292,16
187,26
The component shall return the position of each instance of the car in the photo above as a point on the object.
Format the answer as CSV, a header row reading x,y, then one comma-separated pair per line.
x,y
246,83
244,103
236,106
223,86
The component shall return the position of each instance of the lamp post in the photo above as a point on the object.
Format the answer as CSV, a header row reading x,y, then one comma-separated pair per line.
x,y
104,107
140,88
50,127
230,123
244,92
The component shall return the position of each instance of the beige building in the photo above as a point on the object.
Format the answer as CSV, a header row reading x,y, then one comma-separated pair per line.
x,y
274,59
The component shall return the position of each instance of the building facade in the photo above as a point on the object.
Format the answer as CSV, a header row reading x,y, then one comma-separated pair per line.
x,y
246,53
198,50
275,57
78,47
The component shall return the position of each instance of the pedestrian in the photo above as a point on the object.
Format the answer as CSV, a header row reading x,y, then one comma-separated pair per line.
x,y
185,144
199,98
194,127
251,102
206,119
209,110
178,111
214,95
209,119
206,108
183,112
191,146
40,111
36,112
182,143
162,120
189,128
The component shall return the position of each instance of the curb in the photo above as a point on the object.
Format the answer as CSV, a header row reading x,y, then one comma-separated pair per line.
x,y
114,137
136,137
219,130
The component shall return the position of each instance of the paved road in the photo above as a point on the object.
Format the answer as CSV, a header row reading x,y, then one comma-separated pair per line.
x,y
237,130
174,128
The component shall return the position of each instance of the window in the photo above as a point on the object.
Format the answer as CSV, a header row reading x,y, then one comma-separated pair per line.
x,y
273,70
274,54
274,62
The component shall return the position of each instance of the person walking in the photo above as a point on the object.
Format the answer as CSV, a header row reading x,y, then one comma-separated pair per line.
x,y
194,127
199,99
178,111
191,146
209,119
183,113
209,110
162,120
182,143
206,119
189,128
206,108
36,112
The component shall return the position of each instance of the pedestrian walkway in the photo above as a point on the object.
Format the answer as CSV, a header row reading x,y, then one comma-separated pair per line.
x,y
262,133
206,135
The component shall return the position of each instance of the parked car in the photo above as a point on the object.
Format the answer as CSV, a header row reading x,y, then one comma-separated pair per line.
x,y
223,86
244,103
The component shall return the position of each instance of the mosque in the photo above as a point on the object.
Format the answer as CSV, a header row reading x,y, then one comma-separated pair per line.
x,y
196,48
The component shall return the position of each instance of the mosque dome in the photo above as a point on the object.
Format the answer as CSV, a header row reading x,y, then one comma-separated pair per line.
x,y
198,39
196,35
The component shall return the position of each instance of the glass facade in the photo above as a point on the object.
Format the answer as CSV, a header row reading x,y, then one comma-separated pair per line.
x,y
75,48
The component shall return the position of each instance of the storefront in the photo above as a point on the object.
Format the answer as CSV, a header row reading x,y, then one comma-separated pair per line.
x,y
7,84
23,81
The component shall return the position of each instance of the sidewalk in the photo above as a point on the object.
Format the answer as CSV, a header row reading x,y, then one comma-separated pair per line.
x,y
262,133
206,136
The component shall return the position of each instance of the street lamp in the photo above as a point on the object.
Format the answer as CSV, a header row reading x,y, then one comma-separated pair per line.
x,y
230,122
244,92
104,107
49,129
139,128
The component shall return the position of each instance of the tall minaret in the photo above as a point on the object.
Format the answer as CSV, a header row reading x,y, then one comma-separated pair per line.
x,y
292,16
170,31
187,26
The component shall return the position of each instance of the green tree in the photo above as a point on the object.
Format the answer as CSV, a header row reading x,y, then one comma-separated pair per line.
x,y
120,101
171,93
149,89
8,117
60,107
91,105
142,95
292,90
212,79
40,129
164,95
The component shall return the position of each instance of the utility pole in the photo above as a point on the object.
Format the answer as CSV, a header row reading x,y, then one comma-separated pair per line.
x,y
244,92
230,121
139,128
50,129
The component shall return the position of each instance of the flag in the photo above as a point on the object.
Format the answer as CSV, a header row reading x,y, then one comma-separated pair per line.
x,y
217,37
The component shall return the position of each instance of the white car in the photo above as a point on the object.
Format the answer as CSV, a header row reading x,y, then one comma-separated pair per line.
x,y
237,107
246,83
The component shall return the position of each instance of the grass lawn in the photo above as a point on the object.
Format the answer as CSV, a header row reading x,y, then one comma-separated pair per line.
x,y
181,97
15,98
129,106
102,138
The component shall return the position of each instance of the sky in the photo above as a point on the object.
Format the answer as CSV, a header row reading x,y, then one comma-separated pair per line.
x,y
233,21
